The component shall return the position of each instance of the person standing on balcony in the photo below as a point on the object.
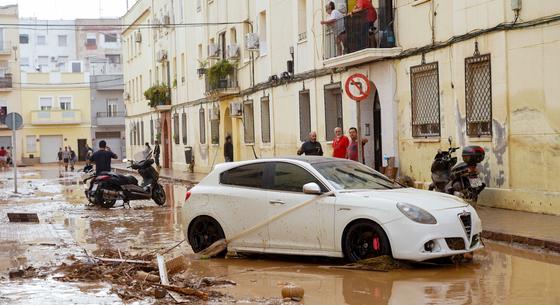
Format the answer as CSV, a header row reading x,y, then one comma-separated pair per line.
x,y
336,23
340,144
371,17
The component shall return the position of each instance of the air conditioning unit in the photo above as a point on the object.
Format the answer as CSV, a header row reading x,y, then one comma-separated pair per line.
x,y
235,109
252,41
161,55
214,113
233,50
166,20
213,51
138,36
126,96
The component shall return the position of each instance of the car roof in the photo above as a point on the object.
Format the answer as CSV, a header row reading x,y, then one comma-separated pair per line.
x,y
302,159
312,159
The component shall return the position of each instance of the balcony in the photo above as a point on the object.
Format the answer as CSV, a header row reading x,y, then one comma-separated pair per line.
x,y
5,48
110,118
350,40
222,86
6,82
56,117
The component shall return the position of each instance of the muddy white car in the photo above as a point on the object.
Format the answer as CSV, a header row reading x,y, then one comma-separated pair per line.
x,y
366,215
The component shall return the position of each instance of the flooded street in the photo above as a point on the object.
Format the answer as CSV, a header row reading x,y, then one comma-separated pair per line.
x,y
499,275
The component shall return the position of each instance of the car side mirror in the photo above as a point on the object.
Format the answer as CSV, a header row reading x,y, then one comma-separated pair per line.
x,y
312,188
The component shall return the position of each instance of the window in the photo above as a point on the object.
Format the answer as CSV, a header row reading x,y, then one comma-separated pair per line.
x,y
215,130
24,61
111,37
45,103
222,42
246,30
202,125
23,38
184,127
62,40
3,111
91,41
262,33
304,115
424,82
113,58
290,178
478,95
248,122
61,63
76,67
30,144
182,67
142,133
176,128
41,40
65,102
43,62
333,110
265,119
302,20
151,131
112,107
250,175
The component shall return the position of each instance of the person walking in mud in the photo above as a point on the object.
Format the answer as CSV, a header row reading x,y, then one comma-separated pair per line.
x,y
59,157
73,158
65,158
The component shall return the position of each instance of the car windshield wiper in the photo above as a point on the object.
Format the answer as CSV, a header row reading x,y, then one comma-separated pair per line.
x,y
351,174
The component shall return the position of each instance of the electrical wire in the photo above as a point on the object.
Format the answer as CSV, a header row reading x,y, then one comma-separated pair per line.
x,y
80,27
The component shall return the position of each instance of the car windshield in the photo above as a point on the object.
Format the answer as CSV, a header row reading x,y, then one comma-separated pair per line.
x,y
348,175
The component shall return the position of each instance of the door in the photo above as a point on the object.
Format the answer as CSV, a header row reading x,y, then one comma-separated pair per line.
x,y
82,149
49,148
166,139
310,227
242,205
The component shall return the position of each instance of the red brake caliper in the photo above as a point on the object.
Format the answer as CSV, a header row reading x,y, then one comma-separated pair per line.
x,y
376,243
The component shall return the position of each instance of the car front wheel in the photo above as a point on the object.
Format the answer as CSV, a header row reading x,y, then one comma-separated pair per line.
x,y
203,232
365,239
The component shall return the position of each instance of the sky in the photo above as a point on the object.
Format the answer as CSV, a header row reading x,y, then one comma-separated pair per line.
x,y
70,9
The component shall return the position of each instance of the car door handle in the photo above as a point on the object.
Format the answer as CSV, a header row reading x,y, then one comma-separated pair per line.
x,y
276,202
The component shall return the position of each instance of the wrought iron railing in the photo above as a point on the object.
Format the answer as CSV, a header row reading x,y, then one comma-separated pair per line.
x,y
6,81
229,82
111,114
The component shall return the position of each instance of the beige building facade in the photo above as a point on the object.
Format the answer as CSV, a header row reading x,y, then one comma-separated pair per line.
x,y
429,49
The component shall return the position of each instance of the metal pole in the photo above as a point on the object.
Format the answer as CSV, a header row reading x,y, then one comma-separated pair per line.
x,y
14,151
359,130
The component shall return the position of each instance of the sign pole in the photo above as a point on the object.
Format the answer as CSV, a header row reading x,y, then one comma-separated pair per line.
x,y
14,152
359,131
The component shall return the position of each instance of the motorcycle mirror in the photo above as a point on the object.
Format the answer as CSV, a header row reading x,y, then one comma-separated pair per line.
x,y
125,160
450,139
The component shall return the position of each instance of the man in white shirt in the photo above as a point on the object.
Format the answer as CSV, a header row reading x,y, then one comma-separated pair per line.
x,y
336,22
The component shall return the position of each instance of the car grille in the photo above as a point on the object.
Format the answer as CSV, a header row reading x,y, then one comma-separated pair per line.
x,y
455,243
466,221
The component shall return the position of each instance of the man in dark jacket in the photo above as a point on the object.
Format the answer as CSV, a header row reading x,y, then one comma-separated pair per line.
x,y
228,149
157,152
102,158
311,147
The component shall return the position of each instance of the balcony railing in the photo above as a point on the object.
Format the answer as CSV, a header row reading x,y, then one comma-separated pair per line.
x,y
110,118
56,117
110,114
353,33
225,85
6,81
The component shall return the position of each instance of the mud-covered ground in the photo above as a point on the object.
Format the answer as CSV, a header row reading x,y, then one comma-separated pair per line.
x,y
69,229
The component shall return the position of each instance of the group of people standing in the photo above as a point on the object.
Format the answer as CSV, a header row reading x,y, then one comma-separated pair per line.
x,y
343,147
68,157
5,157
155,153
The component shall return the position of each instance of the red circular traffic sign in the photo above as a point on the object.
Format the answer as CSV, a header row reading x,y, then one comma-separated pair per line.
x,y
358,81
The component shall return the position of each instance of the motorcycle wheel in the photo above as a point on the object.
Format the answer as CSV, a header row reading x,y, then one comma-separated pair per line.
x,y
105,203
158,194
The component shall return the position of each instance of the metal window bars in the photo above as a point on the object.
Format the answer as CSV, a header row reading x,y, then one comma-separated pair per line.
x,y
478,95
424,83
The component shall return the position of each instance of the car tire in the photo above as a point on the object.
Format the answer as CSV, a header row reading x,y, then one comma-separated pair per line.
x,y
204,231
364,239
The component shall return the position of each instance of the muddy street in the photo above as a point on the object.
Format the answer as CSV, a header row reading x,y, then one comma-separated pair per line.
x,y
68,227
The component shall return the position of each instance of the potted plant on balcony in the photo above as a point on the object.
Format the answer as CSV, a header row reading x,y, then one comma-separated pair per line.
x,y
157,95
202,64
219,72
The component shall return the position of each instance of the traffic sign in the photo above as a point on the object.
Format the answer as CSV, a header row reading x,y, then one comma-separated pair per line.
x,y
14,120
358,87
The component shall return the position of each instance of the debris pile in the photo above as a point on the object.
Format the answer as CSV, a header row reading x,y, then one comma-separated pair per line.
x,y
135,277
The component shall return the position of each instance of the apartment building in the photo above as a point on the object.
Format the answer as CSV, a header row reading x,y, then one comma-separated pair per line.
x,y
438,69
9,72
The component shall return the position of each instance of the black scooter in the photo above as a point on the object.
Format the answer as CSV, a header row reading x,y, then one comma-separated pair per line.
x,y
108,187
458,179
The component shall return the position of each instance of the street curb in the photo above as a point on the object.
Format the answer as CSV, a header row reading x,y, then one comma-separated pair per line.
x,y
166,177
549,245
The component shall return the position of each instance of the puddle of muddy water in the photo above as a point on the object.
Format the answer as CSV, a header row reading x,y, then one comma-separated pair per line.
x,y
499,274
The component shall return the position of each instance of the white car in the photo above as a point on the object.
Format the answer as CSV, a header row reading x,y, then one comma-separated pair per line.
x,y
366,215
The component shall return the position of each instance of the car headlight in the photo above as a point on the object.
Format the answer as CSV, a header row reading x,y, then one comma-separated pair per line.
x,y
416,214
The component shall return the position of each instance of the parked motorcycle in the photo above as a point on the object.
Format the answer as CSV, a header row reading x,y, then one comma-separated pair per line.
x,y
458,179
108,187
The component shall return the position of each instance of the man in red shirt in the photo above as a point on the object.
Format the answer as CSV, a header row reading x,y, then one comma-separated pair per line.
x,y
339,144
366,5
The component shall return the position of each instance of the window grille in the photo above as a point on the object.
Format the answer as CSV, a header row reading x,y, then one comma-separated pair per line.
x,y
215,131
333,109
248,122
265,119
478,95
304,115
142,132
424,81
184,127
176,128
202,125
